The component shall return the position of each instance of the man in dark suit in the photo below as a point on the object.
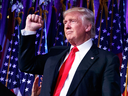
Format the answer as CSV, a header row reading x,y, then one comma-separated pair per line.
x,y
94,72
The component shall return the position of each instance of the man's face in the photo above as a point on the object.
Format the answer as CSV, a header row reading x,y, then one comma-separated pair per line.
x,y
74,29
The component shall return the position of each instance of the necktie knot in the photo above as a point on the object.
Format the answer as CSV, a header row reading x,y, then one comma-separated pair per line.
x,y
74,49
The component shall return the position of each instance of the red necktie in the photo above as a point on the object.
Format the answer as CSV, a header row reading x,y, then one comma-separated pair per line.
x,y
64,70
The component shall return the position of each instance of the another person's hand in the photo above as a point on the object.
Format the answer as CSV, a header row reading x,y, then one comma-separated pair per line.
x,y
33,22
36,89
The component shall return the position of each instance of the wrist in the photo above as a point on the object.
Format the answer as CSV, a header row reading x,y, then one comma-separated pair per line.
x,y
29,29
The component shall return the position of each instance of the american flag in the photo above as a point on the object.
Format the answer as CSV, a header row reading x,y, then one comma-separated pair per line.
x,y
10,74
88,4
110,34
114,29
10,77
40,46
52,28
123,72
60,39
102,35
26,82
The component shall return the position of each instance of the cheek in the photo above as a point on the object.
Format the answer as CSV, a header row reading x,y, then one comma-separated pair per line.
x,y
80,31
77,29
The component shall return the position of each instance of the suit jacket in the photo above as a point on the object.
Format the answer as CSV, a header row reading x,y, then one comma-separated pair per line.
x,y
97,75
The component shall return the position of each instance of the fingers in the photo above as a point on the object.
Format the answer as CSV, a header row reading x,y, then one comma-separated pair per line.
x,y
41,78
33,22
35,18
40,84
36,89
41,81
29,17
36,80
35,84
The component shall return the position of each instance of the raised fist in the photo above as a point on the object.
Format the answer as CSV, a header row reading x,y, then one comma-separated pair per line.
x,y
33,22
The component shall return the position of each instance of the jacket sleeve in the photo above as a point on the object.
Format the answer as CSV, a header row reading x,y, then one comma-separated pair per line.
x,y
27,60
111,77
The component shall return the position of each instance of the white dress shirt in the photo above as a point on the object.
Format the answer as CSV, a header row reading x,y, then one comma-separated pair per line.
x,y
79,55
25,33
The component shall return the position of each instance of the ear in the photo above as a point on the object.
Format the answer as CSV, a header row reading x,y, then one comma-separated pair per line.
x,y
88,27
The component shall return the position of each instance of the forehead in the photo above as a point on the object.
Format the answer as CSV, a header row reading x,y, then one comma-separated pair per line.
x,y
72,15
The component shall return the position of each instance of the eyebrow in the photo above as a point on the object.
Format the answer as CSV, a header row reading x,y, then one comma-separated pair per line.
x,y
69,20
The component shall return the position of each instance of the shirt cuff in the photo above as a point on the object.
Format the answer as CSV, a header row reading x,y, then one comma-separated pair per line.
x,y
26,33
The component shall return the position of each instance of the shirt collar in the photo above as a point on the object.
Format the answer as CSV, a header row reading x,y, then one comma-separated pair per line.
x,y
85,46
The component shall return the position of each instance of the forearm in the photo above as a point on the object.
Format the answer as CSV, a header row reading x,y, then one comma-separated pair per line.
x,y
28,62
26,49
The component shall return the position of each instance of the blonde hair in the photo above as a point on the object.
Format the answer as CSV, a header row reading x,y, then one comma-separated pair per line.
x,y
86,14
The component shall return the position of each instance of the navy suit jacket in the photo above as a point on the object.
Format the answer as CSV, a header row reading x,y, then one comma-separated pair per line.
x,y
97,74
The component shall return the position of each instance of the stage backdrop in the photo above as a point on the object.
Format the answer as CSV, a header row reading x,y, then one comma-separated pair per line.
x,y
111,21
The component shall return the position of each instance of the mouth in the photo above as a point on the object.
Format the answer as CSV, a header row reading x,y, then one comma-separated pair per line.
x,y
68,32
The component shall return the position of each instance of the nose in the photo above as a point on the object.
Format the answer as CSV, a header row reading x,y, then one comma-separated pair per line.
x,y
67,25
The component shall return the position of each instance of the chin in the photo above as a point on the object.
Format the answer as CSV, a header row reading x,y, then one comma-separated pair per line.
x,y
70,41
69,37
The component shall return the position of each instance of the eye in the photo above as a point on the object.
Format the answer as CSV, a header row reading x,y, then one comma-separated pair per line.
x,y
73,21
64,22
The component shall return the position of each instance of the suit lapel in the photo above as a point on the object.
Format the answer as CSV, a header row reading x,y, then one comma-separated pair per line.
x,y
56,59
82,69
53,67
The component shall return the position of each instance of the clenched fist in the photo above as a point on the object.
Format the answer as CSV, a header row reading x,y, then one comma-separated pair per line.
x,y
33,22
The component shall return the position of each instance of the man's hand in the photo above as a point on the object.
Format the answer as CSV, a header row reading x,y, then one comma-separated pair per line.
x,y
33,22
36,89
